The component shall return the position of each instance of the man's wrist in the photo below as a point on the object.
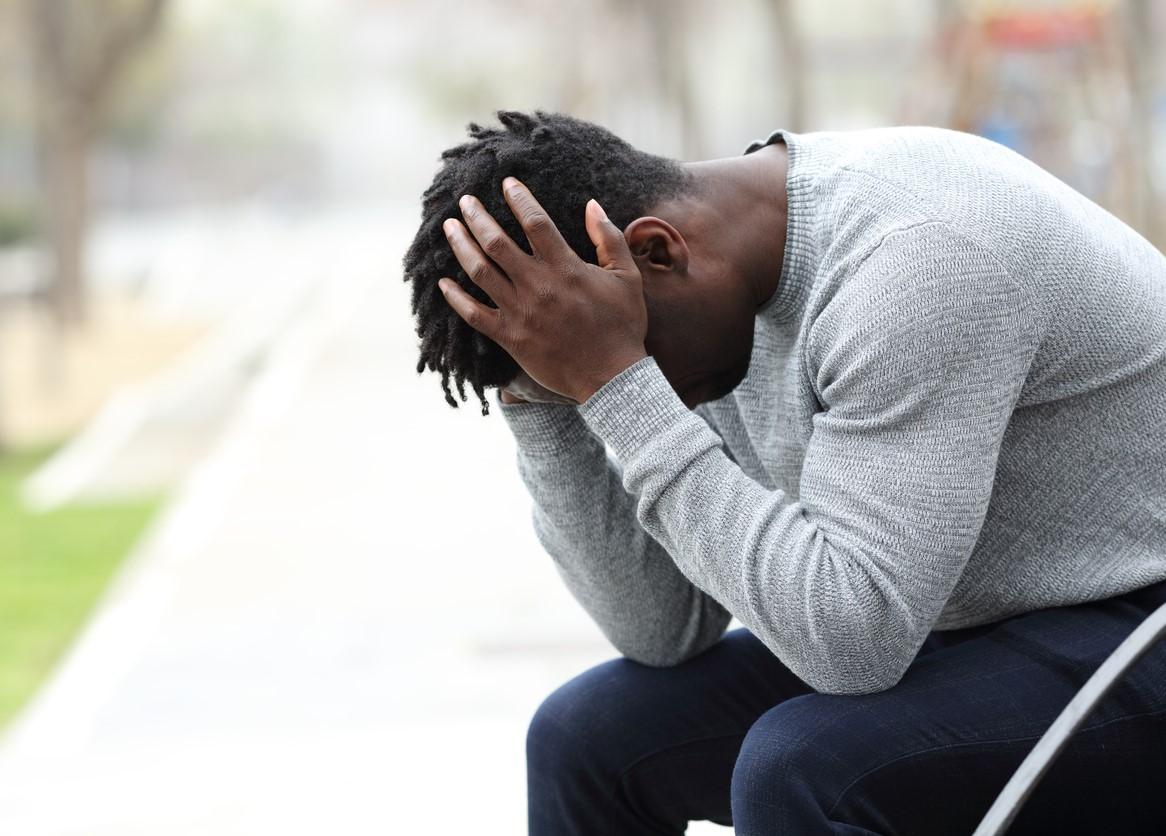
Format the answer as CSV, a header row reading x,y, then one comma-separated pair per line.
x,y
604,377
637,408
548,430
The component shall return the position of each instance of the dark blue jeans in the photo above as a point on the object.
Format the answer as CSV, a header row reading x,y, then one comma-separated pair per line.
x,y
733,737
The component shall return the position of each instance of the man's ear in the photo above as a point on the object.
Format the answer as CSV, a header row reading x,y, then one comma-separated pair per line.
x,y
656,245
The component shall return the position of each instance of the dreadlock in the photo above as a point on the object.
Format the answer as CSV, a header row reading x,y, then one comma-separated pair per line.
x,y
564,162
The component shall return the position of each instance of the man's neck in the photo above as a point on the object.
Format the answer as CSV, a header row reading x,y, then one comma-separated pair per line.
x,y
743,211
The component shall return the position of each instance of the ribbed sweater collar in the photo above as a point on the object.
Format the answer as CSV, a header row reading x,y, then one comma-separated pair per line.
x,y
797,270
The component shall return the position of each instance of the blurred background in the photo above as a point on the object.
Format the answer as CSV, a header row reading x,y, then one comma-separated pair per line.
x,y
255,575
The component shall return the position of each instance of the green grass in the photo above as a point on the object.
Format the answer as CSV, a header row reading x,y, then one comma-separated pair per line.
x,y
53,568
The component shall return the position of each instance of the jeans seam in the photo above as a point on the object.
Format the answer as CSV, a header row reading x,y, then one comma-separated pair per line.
x,y
670,746
614,790
1023,739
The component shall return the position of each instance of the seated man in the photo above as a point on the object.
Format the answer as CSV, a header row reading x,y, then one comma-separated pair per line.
x,y
895,399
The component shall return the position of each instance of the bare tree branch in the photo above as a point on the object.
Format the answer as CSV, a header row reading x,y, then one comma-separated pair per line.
x,y
124,33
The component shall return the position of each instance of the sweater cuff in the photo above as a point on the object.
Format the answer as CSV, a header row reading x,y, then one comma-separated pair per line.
x,y
634,408
545,429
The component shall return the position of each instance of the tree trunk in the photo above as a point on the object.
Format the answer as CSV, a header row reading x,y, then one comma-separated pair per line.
x,y
64,170
1143,71
792,66
79,47
668,19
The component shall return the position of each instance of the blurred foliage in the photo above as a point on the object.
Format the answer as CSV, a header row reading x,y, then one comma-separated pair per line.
x,y
142,94
53,566
18,223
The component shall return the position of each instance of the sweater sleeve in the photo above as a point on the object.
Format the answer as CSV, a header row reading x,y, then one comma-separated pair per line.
x,y
587,523
918,362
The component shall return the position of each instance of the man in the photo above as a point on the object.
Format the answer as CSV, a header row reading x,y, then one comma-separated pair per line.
x,y
895,399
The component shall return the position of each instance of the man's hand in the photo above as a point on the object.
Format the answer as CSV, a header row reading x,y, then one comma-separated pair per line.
x,y
571,325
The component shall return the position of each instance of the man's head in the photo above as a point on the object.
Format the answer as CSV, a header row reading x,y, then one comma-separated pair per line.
x,y
696,319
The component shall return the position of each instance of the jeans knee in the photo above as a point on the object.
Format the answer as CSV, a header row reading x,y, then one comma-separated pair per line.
x,y
552,740
785,768
577,727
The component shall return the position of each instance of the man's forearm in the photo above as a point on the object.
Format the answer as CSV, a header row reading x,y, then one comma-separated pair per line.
x,y
844,580
587,523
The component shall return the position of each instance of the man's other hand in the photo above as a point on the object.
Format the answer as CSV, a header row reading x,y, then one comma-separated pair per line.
x,y
571,325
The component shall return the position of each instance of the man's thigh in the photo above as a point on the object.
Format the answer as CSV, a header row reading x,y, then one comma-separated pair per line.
x,y
628,748
930,755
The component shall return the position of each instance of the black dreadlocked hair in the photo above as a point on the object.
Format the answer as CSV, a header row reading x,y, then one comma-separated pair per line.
x,y
564,162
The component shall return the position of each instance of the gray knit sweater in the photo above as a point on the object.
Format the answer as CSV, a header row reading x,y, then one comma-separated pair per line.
x,y
955,411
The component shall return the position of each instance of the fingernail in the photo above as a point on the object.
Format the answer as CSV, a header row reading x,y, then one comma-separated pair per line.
x,y
510,183
602,214
464,201
441,286
448,227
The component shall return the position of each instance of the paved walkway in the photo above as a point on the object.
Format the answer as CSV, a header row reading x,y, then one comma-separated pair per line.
x,y
341,625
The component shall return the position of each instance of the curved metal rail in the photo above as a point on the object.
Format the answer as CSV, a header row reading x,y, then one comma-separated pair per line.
x,y
1007,805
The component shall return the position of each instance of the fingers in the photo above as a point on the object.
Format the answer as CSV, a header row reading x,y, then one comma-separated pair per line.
x,y
611,248
490,237
478,267
481,318
540,230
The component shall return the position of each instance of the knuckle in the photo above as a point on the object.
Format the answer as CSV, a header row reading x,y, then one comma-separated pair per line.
x,y
480,272
545,293
494,245
536,222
